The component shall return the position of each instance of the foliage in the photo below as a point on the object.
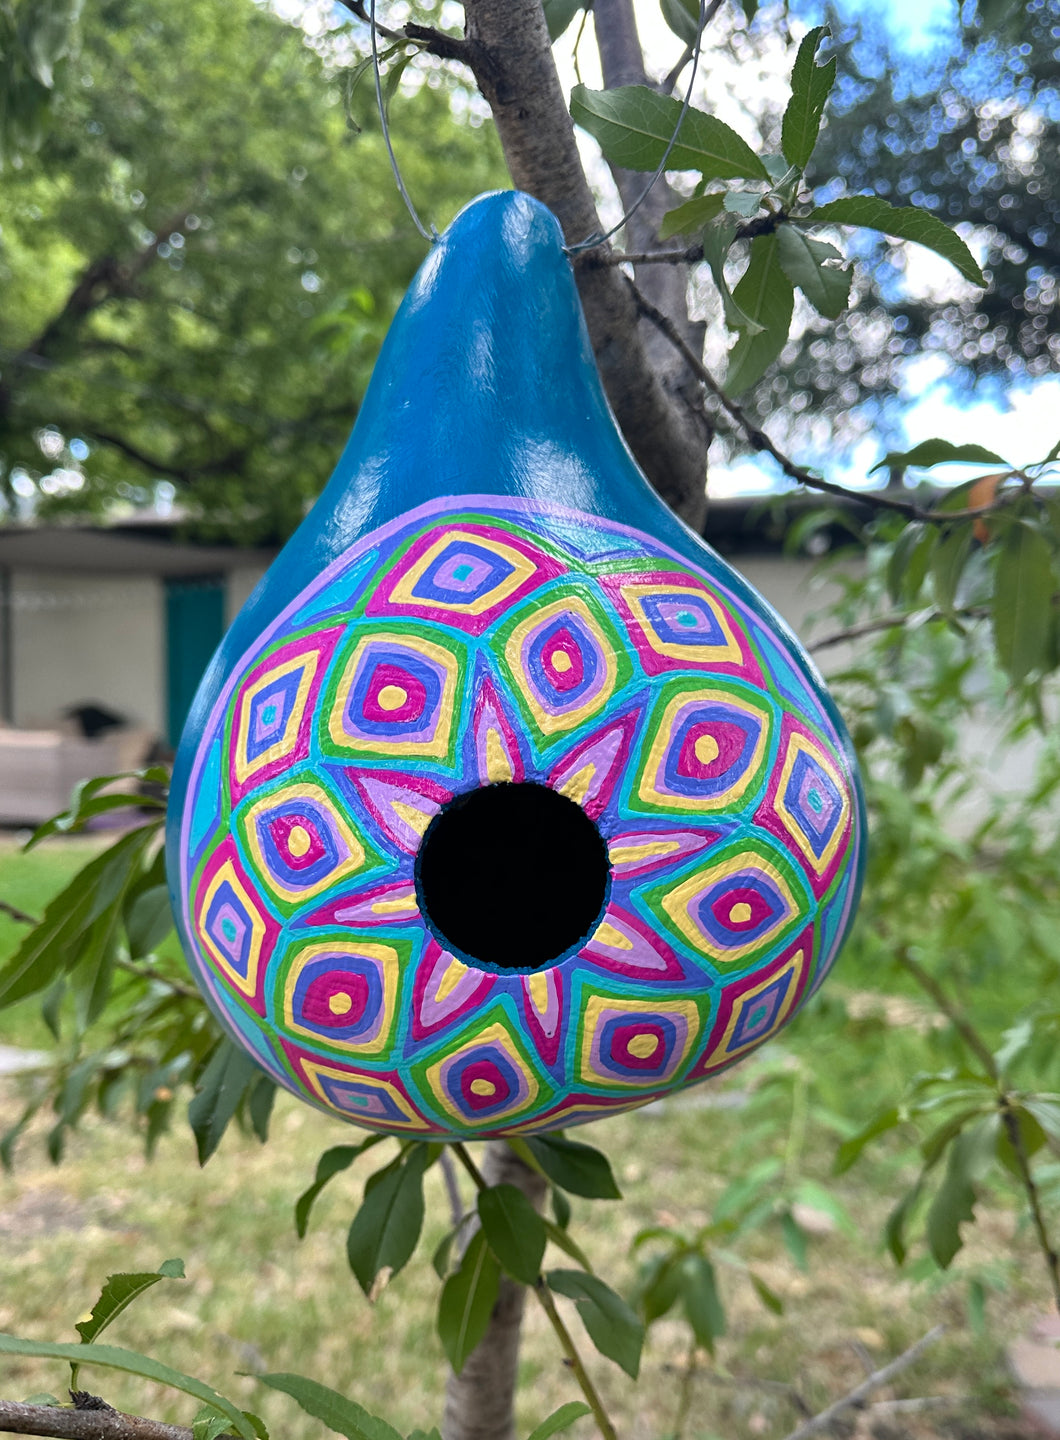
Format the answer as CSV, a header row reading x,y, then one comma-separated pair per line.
x,y
634,126
191,294
967,136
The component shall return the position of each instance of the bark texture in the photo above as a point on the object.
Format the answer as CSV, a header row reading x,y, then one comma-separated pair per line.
x,y
509,51
479,1402
666,286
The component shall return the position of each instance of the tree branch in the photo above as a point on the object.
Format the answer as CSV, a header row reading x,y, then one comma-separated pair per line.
x,y
896,622
861,1392
435,42
84,1424
16,914
513,64
742,423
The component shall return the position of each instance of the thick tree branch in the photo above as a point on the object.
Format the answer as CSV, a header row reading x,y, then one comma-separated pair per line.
x,y
622,63
84,1424
479,1402
511,58
861,1392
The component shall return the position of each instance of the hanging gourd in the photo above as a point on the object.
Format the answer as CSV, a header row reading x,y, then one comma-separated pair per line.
x,y
505,804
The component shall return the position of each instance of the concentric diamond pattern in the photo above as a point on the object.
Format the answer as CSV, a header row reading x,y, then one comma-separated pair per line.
x,y
471,643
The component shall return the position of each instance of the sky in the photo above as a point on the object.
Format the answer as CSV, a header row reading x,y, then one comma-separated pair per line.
x,y
1022,426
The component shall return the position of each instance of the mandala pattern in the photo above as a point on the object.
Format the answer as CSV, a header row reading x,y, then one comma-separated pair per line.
x,y
466,645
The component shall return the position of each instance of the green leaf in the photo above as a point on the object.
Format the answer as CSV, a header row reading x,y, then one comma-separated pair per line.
x,y
561,1419
947,566
259,1105
574,1167
717,242
903,222
119,1292
335,1411
699,1295
910,560
330,1164
467,1301
634,125
769,1298
86,802
657,1294
386,1228
55,945
686,219
1023,598
682,16
148,921
208,1424
611,1325
765,295
222,1086
559,14
560,1207
514,1231
896,1222
744,203
938,452
568,1245
954,1203
794,1238
811,85
132,1363
803,260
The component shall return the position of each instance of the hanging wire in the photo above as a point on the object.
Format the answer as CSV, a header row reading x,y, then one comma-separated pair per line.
x,y
430,235
592,241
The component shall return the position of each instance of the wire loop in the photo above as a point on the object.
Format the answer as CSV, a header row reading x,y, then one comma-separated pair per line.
x,y
430,235
592,241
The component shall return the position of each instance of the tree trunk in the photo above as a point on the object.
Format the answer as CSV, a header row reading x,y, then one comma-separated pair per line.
x,y
479,1402
666,286
511,56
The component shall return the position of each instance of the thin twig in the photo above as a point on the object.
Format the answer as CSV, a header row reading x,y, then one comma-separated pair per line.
x,y
67,1423
896,622
965,1029
760,441
175,986
675,74
588,1389
1010,1120
460,1150
864,1390
684,1396
435,42
548,1304
16,914
979,1048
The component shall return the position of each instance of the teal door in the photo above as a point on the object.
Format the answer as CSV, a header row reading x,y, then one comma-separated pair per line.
x,y
195,623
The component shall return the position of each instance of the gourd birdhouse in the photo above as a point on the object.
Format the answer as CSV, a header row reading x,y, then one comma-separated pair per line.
x,y
505,804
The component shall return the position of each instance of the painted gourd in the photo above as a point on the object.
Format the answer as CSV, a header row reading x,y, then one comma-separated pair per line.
x,y
505,804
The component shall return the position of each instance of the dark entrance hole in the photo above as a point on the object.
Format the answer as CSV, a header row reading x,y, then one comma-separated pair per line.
x,y
512,876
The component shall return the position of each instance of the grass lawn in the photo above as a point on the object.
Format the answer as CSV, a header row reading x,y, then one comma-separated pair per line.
x,y
257,1298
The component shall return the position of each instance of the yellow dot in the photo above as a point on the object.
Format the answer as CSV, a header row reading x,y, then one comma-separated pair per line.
x,y
740,914
483,1087
706,749
561,661
340,1003
298,841
643,1046
392,697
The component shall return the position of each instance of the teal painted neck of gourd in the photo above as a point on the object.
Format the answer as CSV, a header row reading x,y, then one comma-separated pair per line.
x,y
485,385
